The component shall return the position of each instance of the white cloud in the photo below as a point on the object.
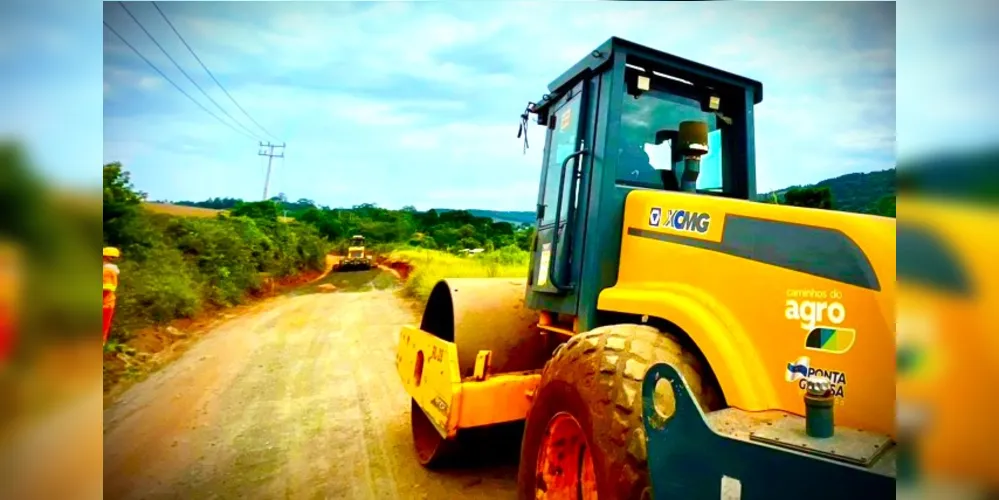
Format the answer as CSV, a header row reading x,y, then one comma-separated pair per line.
x,y
132,79
149,82
815,120
877,140
382,40
945,82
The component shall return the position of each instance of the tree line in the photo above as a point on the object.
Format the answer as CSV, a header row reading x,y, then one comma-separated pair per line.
x,y
859,192
450,230
822,197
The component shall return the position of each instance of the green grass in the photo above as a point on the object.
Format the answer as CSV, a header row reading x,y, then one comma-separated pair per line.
x,y
430,266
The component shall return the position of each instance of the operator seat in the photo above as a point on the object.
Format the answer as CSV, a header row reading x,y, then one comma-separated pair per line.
x,y
635,167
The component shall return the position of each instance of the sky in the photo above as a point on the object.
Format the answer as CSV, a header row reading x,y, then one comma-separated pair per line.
x,y
417,103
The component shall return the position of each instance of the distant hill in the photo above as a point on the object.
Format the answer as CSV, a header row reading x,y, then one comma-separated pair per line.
x,y
513,217
965,175
857,192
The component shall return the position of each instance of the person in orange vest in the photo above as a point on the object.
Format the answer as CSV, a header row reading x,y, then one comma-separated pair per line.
x,y
110,287
10,291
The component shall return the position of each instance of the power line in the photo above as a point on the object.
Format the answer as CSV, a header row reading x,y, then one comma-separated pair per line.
x,y
182,91
190,49
151,37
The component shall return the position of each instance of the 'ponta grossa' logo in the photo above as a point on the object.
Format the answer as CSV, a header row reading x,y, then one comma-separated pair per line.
x,y
680,220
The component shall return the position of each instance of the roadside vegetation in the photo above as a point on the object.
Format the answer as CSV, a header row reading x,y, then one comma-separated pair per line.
x,y
430,266
179,261
176,267
47,244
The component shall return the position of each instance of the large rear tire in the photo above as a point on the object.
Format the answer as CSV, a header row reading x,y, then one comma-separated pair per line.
x,y
586,421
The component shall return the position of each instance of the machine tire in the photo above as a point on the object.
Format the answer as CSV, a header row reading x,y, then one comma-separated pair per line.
x,y
595,378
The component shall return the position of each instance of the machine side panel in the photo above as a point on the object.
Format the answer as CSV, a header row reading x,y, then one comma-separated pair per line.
x,y
799,291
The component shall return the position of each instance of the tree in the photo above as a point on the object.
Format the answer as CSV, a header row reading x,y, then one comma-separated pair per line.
x,y
885,206
23,202
467,231
813,197
122,205
265,210
525,238
469,243
430,218
446,236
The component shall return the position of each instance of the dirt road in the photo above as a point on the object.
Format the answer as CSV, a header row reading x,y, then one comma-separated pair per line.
x,y
296,399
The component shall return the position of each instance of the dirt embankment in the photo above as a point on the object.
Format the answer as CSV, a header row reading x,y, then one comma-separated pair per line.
x,y
297,398
400,269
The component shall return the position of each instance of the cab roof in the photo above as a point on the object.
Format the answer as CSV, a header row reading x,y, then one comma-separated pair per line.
x,y
604,54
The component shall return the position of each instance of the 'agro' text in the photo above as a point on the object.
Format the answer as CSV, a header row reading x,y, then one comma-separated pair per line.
x,y
814,307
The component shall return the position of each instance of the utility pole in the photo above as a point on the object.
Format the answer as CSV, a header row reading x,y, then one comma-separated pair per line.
x,y
269,153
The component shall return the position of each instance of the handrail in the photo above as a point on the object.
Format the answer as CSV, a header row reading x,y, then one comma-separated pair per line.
x,y
552,275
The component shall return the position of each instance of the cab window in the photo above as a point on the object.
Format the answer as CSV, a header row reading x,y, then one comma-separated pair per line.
x,y
643,163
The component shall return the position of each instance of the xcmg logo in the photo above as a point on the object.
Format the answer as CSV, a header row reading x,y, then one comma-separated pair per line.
x,y
680,220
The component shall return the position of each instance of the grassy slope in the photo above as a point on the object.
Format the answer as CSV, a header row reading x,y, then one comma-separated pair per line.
x,y
179,210
430,266
189,211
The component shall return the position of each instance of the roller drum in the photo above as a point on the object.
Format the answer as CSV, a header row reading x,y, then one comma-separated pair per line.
x,y
487,314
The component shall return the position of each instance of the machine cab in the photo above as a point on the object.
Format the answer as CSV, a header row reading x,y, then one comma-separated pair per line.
x,y
628,117
356,249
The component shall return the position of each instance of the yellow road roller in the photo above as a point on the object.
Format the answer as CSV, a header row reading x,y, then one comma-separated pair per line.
x,y
357,258
672,337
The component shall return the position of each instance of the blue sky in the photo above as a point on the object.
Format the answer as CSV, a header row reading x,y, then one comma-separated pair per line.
x,y
417,103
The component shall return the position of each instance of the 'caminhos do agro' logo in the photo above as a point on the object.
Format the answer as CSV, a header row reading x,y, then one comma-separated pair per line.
x,y
822,315
680,220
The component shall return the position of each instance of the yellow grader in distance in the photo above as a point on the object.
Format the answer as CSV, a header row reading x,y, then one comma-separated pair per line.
x,y
672,338
357,259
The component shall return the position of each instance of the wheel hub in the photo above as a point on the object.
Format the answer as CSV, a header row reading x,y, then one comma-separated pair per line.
x,y
565,465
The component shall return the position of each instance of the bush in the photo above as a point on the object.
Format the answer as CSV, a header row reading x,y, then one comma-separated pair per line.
x,y
157,290
811,197
173,267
